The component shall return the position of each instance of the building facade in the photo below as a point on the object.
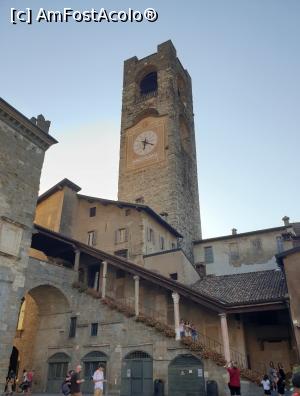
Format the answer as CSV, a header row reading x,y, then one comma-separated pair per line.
x,y
23,144
109,281
85,305
247,251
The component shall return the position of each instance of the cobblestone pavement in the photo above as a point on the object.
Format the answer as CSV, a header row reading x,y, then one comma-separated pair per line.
x,y
250,392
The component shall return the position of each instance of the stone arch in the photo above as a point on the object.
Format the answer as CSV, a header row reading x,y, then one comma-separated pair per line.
x,y
49,298
150,112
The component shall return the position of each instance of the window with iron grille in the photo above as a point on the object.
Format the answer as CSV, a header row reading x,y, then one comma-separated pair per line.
x,y
138,355
94,329
73,323
149,83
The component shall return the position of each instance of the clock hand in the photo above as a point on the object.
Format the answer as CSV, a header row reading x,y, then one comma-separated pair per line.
x,y
146,142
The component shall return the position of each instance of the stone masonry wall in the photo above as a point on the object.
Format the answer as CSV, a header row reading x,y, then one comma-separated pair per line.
x,y
20,168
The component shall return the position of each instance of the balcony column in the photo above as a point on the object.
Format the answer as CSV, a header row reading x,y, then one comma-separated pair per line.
x,y
76,260
136,295
99,279
104,272
225,336
176,298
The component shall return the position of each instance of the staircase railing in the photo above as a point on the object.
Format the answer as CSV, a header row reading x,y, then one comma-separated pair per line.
x,y
205,346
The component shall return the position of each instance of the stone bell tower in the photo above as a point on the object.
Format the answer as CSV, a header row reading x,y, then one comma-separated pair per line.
x,y
158,164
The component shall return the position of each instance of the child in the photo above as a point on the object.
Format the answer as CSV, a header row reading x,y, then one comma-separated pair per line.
x,y
296,384
266,385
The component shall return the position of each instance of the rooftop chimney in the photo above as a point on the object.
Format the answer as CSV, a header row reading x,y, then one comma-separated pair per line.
x,y
234,231
286,221
41,123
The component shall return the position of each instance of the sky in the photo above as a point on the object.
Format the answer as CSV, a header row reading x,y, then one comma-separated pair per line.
x,y
244,60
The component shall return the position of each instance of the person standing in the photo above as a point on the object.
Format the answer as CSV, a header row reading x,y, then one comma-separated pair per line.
x,y
29,380
234,379
272,375
181,329
98,379
76,382
281,380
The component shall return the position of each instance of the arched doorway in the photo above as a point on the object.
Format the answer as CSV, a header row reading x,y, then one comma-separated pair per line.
x,y
137,374
57,370
90,363
14,361
186,376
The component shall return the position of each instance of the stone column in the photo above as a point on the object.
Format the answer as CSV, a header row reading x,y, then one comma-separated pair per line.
x,y
98,277
225,336
136,295
176,298
104,273
77,260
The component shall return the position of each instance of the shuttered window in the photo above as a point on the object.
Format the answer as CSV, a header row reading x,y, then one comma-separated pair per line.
x,y
121,235
150,235
91,238
208,254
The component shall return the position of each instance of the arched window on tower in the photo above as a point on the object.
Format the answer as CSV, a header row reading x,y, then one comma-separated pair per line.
x,y
148,83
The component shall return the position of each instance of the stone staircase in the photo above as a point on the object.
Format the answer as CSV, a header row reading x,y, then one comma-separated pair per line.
x,y
199,347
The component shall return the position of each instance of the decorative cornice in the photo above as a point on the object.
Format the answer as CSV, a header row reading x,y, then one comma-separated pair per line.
x,y
24,126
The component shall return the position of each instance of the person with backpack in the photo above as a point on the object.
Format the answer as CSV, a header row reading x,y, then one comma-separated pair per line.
x,y
66,385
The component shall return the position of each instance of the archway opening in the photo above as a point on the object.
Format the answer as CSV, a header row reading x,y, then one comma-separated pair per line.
x,y
43,311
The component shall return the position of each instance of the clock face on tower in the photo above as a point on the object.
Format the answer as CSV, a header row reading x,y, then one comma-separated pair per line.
x,y
145,142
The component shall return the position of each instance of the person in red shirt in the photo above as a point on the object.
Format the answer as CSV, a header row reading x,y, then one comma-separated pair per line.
x,y
234,379
296,384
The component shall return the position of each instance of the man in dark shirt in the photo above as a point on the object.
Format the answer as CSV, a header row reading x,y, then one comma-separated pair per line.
x,y
76,382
